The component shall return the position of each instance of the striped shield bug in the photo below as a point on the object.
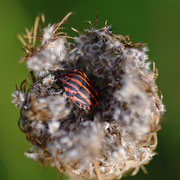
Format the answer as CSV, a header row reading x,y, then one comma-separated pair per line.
x,y
79,88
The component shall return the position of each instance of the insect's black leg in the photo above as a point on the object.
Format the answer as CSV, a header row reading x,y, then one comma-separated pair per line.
x,y
62,89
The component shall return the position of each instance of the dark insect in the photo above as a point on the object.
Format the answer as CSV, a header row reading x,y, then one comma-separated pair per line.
x,y
79,88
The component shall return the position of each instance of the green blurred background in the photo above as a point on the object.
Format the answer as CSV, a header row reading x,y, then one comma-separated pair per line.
x,y
156,22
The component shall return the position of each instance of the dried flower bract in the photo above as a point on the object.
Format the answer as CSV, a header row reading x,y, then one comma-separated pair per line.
x,y
119,134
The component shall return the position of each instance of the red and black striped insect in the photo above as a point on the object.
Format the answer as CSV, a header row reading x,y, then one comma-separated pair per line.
x,y
79,88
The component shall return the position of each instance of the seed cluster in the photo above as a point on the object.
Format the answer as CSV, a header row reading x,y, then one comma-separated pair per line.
x,y
116,136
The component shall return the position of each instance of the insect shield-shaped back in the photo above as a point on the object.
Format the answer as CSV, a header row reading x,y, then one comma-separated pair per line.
x,y
79,88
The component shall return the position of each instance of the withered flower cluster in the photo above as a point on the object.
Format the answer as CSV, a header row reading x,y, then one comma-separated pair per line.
x,y
116,137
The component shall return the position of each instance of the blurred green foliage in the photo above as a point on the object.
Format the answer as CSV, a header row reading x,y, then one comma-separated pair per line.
x,y
156,22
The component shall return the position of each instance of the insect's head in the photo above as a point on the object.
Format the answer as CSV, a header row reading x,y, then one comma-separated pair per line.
x,y
59,74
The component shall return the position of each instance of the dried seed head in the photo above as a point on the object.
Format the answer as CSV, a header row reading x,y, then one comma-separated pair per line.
x,y
115,137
